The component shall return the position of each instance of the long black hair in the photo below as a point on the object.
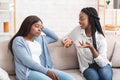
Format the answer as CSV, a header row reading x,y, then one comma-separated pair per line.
x,y
25,28
94,22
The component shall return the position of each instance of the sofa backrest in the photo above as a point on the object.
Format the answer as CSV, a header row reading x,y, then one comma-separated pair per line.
x,y
6,58
63,58
112,37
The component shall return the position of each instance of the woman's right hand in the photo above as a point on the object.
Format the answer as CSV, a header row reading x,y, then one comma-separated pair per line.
x,y
68,43
52,75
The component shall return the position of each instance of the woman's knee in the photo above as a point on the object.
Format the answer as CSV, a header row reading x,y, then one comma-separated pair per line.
x,y
91,74
106,72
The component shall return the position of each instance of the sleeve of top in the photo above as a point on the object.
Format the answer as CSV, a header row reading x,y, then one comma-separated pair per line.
x,y
102,60
21,54
50,35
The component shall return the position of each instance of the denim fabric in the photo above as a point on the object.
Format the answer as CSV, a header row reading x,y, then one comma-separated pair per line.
x,y
34,75
63,75
94,72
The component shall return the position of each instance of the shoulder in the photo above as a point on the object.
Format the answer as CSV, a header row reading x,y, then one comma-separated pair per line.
x,y
100,38
18,39
76,30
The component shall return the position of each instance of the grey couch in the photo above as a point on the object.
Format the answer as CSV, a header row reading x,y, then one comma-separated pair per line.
x,y
65,58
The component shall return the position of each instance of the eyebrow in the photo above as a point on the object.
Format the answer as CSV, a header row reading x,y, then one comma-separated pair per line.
x,y
81,17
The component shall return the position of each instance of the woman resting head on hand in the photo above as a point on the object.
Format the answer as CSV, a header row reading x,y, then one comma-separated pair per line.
x,y
31,56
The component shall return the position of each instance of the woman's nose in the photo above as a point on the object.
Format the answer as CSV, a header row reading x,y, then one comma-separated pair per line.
x,y
39,29
79,22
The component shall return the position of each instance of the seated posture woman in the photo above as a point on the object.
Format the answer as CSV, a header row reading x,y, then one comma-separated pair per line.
x,y
30,51
91,46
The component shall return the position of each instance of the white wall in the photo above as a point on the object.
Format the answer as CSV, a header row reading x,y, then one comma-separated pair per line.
x,y
60,15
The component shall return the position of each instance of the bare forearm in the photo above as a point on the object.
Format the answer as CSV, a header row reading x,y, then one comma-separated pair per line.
x,y
94,52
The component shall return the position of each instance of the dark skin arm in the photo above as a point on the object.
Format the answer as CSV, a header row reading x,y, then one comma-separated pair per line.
x,y
67,43
90,46
52,75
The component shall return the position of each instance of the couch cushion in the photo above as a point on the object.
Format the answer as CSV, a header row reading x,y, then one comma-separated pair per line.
x,y
116,55
63,58
116,73
12,77
111,39
6,58
76,74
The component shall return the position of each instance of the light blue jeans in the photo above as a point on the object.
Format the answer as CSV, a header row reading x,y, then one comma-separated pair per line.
x,y
34,75
94,72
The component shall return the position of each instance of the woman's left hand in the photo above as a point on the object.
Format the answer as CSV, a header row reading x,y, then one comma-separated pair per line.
x,y
52,75
90,46
85,44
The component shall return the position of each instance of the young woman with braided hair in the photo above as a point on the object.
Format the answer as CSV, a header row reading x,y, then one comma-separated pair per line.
x,y
91,46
